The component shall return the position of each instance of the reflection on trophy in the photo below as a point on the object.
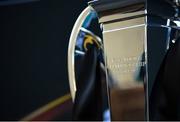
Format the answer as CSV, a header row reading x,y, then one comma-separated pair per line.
x,y
113,76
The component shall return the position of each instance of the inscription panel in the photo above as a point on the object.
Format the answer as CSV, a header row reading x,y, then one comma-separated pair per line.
x,y
125,63
125,57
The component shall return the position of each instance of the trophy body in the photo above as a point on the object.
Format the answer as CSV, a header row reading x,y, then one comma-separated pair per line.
x,y
124,35
124,47
136,37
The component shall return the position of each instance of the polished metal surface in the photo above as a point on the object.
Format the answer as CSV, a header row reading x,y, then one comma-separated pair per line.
x,y
134,52
124,41
124,46
136,38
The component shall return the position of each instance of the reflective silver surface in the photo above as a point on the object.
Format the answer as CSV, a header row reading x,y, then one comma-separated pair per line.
x,y
136,38
124,46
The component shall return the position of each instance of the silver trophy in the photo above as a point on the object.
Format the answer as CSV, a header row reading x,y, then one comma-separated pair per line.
x,y
136,37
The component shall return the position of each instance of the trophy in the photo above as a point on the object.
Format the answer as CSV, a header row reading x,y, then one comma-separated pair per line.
x,y
136,36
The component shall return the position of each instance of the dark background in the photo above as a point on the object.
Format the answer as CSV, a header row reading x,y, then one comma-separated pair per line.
x,y
34,41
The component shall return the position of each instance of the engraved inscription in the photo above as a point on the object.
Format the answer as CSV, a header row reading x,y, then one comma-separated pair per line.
x,y
126,64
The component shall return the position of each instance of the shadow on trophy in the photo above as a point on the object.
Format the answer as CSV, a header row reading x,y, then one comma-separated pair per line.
x,y
120,59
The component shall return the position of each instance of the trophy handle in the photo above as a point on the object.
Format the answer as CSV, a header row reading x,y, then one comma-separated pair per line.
x,y
71,49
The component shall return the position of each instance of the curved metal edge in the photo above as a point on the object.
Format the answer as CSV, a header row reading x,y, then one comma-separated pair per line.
x,y
71,49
